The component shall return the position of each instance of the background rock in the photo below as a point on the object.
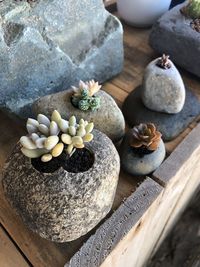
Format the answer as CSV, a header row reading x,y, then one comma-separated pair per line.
x,y
50,45
173,35
170,125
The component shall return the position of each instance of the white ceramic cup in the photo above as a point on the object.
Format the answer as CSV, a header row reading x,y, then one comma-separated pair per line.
x,y
142,13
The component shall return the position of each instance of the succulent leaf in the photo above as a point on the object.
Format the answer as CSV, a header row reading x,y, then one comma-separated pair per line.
x,y
42,119
27,142
57,150
33,153
51,142
43,129
46,157
53,128
56,116
66,138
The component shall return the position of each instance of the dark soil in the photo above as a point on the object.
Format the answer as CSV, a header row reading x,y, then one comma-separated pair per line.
x,y
141,151
80,161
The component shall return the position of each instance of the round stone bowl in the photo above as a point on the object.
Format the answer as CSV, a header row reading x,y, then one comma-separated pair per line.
x,y
144,164
63,206
108,118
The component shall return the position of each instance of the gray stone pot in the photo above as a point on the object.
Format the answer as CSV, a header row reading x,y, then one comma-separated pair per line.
x,y
163,89
140,165
173,35
107,119
63,206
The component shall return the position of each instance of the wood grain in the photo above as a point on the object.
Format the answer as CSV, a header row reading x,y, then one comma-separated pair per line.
x,y
129,215
9,254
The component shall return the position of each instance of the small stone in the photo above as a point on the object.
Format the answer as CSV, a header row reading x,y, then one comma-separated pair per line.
x,y
140,165
170,125
163,89
108,118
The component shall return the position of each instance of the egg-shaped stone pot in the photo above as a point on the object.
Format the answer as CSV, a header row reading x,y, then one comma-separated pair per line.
x,y
107,119
140,163
163,89
63,206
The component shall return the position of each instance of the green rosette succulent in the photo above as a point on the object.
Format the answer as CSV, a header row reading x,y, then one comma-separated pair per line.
x,y
84,97
192,9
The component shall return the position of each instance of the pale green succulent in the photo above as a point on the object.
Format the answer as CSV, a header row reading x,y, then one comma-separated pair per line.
x,y
48,138
84,97
192,9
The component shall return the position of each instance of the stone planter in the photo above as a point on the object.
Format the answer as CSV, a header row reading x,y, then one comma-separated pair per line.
x,y
63,206
142,13
184,49
107,119
136,164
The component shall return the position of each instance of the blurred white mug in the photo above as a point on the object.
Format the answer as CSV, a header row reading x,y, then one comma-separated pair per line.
x,y
142,13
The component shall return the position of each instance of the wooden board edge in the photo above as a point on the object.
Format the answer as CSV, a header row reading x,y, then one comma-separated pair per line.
x,y
109,234
184,155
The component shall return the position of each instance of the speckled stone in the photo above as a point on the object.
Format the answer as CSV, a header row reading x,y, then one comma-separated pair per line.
x,y
107,119
173,35
49,45
170,125
163,89
63,206
136,165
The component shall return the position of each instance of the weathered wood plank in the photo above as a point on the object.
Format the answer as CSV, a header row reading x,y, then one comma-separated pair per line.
x,y
180,176
9,254
131,214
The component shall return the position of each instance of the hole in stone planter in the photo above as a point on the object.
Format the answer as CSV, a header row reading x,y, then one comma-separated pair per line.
x,y
81,161
141,151
46,167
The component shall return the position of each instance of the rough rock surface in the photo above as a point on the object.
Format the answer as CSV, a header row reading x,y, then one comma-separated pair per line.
x,y
136,165
170,125
63,206
50,45
163,89
107,119
173,35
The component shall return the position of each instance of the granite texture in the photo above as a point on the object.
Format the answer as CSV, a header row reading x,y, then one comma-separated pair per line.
x,y
163,89
140,165
170,125
108,118
173,35
63,206
50,45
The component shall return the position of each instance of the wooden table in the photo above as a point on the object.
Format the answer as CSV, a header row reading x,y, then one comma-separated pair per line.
x,y
135,226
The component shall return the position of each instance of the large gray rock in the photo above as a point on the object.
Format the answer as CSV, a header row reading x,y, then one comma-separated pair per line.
x,y
173,35
50,45
107,119
63,206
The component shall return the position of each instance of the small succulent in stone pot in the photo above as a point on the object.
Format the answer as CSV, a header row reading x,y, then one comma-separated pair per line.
x,y
192,11
142,149
86,101
163,89
61,178
84,97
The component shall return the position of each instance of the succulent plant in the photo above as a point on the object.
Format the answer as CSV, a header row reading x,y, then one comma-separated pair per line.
x,y
84,97
145,136
192,9
49,138
163,62
195,24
